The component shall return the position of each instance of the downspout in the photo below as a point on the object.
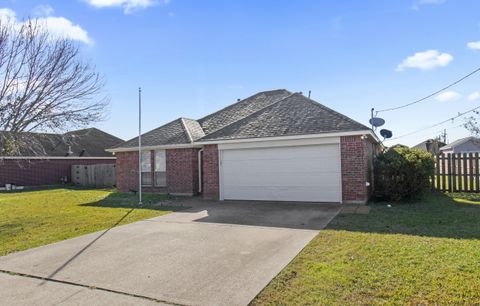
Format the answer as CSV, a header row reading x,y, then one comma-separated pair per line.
x,y
200,170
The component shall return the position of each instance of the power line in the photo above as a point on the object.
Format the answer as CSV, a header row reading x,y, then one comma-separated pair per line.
x,y
430,95
436,124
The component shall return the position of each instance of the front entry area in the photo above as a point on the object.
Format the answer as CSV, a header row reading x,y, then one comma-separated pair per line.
x,y
309,173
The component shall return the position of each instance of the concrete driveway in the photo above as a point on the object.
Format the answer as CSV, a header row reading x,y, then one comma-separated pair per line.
x,y
211,254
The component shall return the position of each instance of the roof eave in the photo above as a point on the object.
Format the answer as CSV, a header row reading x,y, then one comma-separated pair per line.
x,y
199,144
368,133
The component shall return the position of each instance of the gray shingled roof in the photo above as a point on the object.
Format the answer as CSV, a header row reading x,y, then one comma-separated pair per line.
x,y
293,115
425,145
459,142
265,114
241,109
193,128
170,133
89,142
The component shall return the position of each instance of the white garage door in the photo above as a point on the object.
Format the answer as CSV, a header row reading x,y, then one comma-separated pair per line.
x,y
302,173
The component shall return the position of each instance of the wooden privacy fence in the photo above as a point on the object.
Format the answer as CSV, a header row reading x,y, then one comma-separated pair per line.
x,y
457,172
98,175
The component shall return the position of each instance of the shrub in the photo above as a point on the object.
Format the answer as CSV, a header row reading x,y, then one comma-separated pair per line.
x,y
403,173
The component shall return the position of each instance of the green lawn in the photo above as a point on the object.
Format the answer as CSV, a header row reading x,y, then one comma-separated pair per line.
x,y
416,254
33,218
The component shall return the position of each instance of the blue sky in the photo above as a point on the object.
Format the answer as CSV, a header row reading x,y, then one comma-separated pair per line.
x,y
194,57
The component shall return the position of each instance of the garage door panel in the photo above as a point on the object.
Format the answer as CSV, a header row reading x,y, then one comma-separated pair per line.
x,y
306,173
288,179
290,166
281,153
279,194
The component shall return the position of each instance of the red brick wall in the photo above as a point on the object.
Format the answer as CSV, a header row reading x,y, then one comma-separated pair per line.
x,y
127,171
181,167
210,172
36,172
182,171
357,166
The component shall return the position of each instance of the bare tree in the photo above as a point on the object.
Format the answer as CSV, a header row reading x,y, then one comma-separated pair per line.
x,y
44,84
472,124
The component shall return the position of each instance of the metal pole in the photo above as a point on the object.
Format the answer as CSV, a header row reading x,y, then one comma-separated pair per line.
x,y
371,115
140,146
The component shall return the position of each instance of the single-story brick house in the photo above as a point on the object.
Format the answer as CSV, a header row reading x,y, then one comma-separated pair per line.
x,y
464,145
275,145
46,158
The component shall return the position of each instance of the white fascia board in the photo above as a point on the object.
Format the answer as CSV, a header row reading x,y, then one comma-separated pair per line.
x,y
56,157
310,136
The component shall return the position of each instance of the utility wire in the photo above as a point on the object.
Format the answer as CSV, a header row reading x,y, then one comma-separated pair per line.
x,y
436,124
430,95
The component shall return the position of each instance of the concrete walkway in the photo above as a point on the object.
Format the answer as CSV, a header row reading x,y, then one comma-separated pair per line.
x,y
211,254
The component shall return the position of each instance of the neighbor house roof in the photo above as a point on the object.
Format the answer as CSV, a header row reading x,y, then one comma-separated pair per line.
x,y
459,142
430,145
265,114
89,142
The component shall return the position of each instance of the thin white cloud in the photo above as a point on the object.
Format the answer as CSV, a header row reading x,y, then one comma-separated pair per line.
x,y
43,10
474,96
426,60
474,45
56,26
128,6
7,14
417,4
448,96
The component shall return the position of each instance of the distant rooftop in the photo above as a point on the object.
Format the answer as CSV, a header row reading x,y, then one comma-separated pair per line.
x,y
90,142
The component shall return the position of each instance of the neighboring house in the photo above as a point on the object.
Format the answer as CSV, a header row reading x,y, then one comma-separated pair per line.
x,y
275,145
398,145
45,159
430,145
464,145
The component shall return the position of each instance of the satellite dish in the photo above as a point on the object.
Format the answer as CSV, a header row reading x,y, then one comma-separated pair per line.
x,y
386,133
376,122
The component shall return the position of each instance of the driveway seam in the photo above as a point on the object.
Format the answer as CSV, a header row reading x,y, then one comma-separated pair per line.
x,y
234,225
90,287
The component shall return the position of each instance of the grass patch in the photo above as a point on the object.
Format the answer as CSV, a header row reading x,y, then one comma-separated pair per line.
x,y
33,218
420,253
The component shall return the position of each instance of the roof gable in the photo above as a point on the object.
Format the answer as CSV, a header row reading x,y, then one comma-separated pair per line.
x,y
193,128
